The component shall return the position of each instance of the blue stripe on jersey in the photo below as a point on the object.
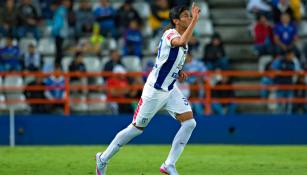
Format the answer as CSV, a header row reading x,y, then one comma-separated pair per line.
x,y
171,86
166,68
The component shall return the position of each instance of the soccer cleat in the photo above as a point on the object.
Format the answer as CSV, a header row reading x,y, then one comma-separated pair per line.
x,y
101,167
168,169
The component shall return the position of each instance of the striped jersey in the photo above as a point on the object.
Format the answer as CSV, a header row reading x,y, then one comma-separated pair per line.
x,y
169,62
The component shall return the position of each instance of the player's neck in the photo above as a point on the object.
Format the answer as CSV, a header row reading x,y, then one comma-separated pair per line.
x,y
180,30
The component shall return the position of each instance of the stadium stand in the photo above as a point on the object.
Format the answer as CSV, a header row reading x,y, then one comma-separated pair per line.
x,y
228,18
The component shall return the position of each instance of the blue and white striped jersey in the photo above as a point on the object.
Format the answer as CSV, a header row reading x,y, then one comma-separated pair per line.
x,y
169,62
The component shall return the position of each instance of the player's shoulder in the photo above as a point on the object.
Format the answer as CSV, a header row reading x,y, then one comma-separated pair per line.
x,y
168,34
170,31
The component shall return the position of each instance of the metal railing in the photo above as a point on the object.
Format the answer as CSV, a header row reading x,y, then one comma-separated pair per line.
x,y
207,87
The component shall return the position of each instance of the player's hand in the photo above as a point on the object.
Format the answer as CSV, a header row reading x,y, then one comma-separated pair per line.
x,y
182,76
195,11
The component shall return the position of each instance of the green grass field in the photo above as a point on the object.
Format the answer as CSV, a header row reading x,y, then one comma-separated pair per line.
x,y
146,160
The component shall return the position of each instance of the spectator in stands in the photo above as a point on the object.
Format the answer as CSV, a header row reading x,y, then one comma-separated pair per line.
x,y
91,44
10,56
96,40
287,63
71,19
125,14
55,86
304,55
257,7
60,29
300,93
147,67
219,108
286,35
194,43
133,40
39,94
85,19
27,20
296,6
105,15
46,6
273,3
263,36
214,55
282,7
8,19
267,80
32,59
159,17
135,93
174,3
194,65
115,60
77,66
117,85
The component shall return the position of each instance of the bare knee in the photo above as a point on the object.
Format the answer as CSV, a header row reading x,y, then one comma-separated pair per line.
x,y
186,119
184,116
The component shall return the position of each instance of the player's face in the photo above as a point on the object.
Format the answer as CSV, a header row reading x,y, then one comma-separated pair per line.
x,y
185,19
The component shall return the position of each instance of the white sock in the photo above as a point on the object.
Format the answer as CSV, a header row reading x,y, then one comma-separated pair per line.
x,y
181,139
122,138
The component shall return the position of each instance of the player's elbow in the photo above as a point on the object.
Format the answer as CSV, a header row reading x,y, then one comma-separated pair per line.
x,y
179,43
183,42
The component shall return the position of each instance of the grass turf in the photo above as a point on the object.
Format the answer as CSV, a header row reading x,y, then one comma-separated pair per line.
x,y
146,160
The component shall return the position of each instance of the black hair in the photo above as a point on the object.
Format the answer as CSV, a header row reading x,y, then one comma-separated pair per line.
x,y
217,35
129,2
78,54
260,15
175,12
289,51
58,66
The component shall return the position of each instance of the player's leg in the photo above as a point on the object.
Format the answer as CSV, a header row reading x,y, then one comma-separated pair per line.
x,y
148,106
179,108
182,137
122,138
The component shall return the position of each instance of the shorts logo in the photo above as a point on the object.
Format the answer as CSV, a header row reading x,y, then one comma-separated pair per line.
x,y
175,75
185,101
144,120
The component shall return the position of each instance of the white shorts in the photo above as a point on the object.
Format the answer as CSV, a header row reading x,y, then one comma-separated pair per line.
x,y
153,100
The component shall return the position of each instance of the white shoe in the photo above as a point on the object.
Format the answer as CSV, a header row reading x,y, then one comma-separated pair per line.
x,y
168,169
101,167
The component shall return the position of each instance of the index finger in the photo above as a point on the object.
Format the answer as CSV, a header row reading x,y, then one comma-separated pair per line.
x,y
193,4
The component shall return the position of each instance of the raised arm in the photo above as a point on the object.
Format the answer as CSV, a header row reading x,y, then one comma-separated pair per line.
x,y
186,36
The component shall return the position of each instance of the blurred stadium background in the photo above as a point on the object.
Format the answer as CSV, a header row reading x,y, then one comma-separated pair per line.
x,y
72,71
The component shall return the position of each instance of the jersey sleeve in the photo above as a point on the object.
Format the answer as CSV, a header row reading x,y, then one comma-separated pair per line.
x,y
169,36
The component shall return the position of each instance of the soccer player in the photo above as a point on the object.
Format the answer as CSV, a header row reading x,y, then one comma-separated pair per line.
x,y
160,92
